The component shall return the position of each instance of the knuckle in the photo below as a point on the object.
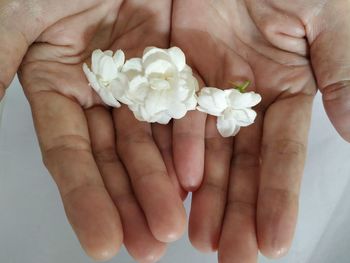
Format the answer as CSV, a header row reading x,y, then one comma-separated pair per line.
x,y
64,144
337,92
240,206
246,160
278,198
211,185
218,145
267,25
106,156
137,137
284,147
123,197
147,176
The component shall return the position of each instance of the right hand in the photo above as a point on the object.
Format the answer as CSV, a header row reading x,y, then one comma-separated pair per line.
x,y
248,200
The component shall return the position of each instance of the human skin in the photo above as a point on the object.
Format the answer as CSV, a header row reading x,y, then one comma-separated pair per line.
x,y
109,170
69,118
248,200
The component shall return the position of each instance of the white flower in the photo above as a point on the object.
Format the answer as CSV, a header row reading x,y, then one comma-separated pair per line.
x,y
161,85
232,108
105,76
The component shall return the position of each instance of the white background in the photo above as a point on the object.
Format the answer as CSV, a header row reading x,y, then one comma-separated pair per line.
x,y
33,227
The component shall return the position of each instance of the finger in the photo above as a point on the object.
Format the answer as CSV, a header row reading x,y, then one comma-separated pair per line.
x,y
157,196
12,49
238,242
138,239
65,144
331,62
208,202
162,135
188,147
285,135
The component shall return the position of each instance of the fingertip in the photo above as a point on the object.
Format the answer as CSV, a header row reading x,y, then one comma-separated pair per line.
x,y
151,255
173,228
200,236
189,149
274,252
202,245
277,217
189,170
102,249
336,102
191,182
100,234
170,233
275,244
102,254
189,165
205,221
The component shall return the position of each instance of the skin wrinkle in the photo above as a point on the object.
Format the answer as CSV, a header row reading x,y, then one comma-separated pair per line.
x,y
336,91
66,117
286,82
275,74
300,61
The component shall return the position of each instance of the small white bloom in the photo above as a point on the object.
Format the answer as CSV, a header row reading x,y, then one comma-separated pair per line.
x,y
161,85
105,76
232,108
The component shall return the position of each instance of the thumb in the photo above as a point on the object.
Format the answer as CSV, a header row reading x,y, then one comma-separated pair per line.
x,y
18,29
330,55
21,23
12,49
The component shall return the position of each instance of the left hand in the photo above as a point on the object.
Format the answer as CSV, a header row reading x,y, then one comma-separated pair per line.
x,y
111,170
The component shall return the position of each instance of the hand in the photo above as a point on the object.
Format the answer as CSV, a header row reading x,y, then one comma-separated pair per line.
x,y
249,196
90,164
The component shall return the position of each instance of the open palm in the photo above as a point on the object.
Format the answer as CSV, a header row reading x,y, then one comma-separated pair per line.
x,y
249,196
116,175
110,184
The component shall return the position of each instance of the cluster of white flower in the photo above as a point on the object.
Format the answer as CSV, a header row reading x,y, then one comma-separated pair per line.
x,y
160,86
157,87
233,108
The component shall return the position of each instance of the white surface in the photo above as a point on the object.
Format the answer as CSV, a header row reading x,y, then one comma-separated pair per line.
x,y
2,104
33,227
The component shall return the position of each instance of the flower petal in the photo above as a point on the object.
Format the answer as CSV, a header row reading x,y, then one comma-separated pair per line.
x,y
191,103
134,64
212,101
108,70
138,89
108,53
149,51
227,128
177,110
240,100
91,77
255,99
156,102
95,60
119,59
157,62
108,98
158,67
243,117
119,88
159,84
163,118
178,58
